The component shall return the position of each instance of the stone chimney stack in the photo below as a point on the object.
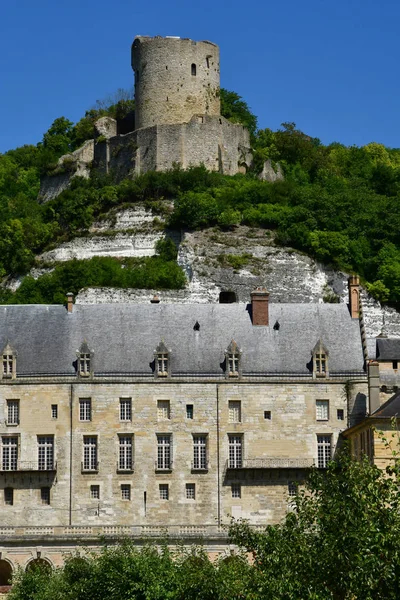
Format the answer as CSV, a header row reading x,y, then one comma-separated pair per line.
x,y
260,306
354,296
373,386
70,301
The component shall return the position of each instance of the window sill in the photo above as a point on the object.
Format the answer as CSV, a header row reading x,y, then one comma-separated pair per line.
x,y
125,471
158,470
200,470
11,424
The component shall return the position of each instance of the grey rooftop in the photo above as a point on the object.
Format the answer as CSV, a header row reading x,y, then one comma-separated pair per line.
x,y
124,337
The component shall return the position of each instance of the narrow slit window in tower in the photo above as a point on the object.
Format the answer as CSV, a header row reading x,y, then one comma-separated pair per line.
x,y
193,69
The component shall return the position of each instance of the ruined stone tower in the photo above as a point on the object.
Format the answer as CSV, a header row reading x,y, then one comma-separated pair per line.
x,y
178,119
174,79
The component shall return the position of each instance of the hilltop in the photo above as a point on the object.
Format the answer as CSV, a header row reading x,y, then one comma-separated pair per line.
x,y
336,205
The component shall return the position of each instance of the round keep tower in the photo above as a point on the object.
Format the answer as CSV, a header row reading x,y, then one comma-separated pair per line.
x,y
174,79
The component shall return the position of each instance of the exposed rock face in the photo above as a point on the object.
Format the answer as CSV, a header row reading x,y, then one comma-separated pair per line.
x,y
106,127
271,173
76,164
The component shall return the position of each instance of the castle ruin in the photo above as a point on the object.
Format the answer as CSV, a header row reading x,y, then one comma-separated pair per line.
x,y
177,114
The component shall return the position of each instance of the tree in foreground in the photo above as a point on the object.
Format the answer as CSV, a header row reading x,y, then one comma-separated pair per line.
x,y
340,540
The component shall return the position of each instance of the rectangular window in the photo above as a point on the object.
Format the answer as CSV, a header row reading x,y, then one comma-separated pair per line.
x,y
12,412
84,364
324,450
162,364
164,491
395,364
235,412
189,411
95,492
340,414
9,496
236,490
235,451
322,410
292,488
125,491
267,415
45,495
199,452
164,454
54,411
233,365
45,452
90,453
163,410
9,453
190,491
125,409
125,462
320,363
7,365
85,409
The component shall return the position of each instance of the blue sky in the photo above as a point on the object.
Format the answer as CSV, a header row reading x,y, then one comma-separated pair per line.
x,y
329,66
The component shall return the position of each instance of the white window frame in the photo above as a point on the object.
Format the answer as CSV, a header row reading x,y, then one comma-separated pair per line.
x,y
164,491
85,360
126,493
322,410
200,452
9,453
45,452
85,410
95,491
164,452
235,411
190,491
125,409
12,412
90,453
163,410
235,451
324,450
125,456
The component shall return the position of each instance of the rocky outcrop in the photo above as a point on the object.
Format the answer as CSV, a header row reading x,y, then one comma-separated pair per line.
x,y
75,164
271,172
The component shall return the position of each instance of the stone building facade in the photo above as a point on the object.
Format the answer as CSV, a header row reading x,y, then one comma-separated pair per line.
x,y
152,418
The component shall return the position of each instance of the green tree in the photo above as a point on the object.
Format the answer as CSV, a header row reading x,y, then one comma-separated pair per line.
x,y
339,542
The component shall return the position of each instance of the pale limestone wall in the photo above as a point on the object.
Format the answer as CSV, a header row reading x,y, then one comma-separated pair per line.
x,y
291,433
165,89
209,140
74,519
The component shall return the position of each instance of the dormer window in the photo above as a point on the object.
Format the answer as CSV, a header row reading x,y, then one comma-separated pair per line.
x,y
320,360
84,360
162,362
232,356
9,363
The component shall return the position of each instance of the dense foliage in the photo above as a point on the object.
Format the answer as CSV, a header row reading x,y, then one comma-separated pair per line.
x,y
338,542
125,573
338,204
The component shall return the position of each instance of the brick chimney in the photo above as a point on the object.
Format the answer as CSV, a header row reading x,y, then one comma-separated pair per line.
x,y
70,301
259,306
354,296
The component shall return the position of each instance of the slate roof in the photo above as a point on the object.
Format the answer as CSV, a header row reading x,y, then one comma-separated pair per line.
x,y
125,336
388,348
391,408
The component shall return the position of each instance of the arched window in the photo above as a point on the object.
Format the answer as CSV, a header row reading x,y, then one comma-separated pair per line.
x,y
194,69
38,563
5,572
